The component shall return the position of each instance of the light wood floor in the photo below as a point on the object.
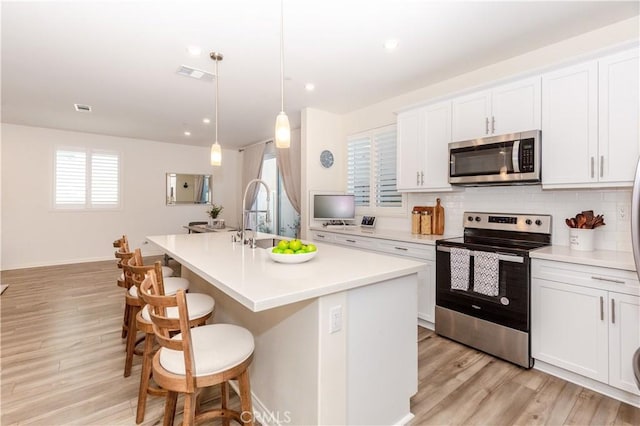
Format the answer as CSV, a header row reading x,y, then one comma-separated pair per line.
x,y
62,361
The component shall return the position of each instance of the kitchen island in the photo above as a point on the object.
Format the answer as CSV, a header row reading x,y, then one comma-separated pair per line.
x,y
335,337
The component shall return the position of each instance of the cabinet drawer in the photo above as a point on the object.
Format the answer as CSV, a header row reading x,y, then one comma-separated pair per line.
x,y
360,242
609,279
322,236
418,251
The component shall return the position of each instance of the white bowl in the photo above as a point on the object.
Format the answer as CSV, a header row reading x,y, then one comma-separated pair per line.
x,y
292,258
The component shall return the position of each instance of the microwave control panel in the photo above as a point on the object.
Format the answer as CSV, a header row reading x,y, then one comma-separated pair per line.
x,y
526,155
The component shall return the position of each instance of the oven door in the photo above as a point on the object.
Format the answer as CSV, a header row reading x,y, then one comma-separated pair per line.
x,y
509,308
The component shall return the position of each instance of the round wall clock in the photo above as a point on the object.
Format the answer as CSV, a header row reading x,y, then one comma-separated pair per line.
x,y
326,158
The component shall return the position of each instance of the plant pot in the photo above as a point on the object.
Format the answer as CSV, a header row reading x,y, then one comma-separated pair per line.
x,y
216,223
581,239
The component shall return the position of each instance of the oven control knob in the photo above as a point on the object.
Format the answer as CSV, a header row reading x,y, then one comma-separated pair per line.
x,y
538,222
470,218
528,222
478,219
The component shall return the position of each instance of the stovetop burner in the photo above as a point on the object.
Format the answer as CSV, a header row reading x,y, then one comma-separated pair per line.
x,y
503,231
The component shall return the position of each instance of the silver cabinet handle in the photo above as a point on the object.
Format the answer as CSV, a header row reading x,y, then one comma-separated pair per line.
x,y
613,311
319,235
611,280
486,125
493,124
601,165
421,178
417,178
350,241
401,248
592,175
601,308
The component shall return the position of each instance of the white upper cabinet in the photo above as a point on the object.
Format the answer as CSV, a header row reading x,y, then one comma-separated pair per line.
x,y
590,119
509,108
423,148
619,109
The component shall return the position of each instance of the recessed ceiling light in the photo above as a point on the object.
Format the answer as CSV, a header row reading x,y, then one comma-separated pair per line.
x,y
391,44
310,87
194,50
206,120
187,133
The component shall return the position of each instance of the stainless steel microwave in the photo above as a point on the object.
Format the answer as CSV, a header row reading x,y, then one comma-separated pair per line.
x,y
498,160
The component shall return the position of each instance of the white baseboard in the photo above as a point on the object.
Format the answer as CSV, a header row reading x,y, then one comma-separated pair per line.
x,y
588,383
405,420
426,324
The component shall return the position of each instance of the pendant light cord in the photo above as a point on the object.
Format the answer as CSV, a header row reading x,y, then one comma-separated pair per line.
x,y
217,91
282,55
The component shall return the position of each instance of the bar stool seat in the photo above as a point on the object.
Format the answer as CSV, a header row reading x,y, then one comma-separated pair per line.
x,y
171,286
199,305
216,348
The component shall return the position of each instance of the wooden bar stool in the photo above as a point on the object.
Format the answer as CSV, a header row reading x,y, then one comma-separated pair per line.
x,y
133,304
197,358
201,308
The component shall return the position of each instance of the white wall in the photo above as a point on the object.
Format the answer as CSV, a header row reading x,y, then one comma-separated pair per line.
x,y
34,234
527,199
321,130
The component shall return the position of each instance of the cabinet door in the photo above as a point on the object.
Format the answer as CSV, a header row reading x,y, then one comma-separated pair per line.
x,y
437,135
516,107
569,327
619,112
569,125
470,118
427,293
409,151
624,339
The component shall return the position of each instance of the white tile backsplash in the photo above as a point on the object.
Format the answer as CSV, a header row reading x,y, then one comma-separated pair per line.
x,y
561,204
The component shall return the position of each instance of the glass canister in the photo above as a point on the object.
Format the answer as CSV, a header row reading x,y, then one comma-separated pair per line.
x,y
415,222
425,223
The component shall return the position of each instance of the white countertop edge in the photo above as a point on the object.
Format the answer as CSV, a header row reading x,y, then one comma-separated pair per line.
x,y
602,258
386,234
281,300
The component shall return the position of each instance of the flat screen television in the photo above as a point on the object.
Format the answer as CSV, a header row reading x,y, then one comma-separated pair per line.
x,y
333,207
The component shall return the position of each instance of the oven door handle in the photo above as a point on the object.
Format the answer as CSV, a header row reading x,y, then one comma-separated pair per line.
x,y
501,256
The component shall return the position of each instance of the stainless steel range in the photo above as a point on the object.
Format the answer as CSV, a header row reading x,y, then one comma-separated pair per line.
x,y
483,283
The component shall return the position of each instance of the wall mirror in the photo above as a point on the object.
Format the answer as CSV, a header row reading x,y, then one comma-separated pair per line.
x,y
188,189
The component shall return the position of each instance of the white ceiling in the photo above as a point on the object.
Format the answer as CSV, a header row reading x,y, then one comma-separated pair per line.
x,y
121,57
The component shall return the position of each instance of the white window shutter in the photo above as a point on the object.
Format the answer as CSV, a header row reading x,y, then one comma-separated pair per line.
x,y
385,169
71,181
104,180
359,169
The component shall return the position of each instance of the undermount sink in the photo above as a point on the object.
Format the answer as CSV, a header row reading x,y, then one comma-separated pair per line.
x,y
267,242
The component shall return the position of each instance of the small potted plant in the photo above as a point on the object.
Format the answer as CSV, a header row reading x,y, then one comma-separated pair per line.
x,y
213,213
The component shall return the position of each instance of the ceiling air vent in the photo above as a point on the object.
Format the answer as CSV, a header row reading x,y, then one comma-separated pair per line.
x,y
82,108
195,73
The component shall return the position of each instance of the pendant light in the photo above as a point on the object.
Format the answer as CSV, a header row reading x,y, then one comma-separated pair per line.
x,y
283,131
216,150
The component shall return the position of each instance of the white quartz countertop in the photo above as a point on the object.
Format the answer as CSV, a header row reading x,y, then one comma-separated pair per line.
x,y
250,276
385,234
603,258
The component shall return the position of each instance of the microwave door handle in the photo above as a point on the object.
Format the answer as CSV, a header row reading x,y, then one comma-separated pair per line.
x,y
515,156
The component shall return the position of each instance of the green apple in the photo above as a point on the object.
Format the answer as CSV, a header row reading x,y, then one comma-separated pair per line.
x,y
283,244
288,251
295,245
311,248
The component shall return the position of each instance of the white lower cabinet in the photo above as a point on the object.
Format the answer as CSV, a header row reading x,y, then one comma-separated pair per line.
x,y
586,320
421,252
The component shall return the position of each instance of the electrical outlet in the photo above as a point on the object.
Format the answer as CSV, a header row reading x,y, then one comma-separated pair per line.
x,y
335,319
622,212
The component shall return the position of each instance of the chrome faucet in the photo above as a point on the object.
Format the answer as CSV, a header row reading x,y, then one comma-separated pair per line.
x,y
241,234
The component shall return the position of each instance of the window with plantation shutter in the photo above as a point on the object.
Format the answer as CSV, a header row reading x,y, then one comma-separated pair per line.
x,y
359,169
86,179
371,170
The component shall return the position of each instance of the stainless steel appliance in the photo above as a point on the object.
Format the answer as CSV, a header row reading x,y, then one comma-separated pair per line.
x,y
492,311
635,244
498,160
